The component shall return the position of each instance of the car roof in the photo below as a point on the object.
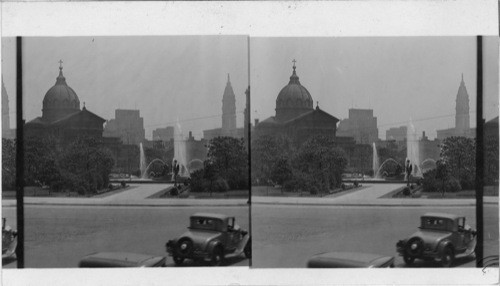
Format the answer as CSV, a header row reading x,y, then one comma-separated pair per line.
x,y
211,215
117,259
348,259
442,215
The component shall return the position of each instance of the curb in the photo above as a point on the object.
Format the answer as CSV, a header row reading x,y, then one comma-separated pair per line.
x,y
367,205
132,205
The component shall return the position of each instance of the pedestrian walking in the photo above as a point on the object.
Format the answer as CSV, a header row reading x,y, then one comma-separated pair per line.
x,y
408,169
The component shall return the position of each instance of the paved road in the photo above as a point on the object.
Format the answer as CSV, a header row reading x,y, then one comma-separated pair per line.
x,y
58,236
286,236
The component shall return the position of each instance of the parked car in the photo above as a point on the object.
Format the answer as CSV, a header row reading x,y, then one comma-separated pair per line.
x,y
350,260
212,237
9,240
121,259
442,237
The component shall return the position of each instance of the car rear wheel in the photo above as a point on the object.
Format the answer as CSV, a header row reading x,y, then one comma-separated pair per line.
x,y
178,260
217,257
447,257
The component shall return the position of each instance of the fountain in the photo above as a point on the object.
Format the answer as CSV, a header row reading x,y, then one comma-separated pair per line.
x,y
142,165
427,164
180,151
412,149
378,175
375,162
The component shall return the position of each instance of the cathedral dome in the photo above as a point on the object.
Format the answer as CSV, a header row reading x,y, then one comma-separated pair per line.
x,y
60,100
293,99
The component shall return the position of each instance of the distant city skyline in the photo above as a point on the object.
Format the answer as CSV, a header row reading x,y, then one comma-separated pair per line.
x,y
399,78
169,79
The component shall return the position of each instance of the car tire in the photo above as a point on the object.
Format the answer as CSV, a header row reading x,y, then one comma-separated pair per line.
x,y
414,247
408,259
248,249
217,257
185,246
447,257
178,260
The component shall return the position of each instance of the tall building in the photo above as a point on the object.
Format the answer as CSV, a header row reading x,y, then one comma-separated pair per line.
x,y
62,117
462,118
128,125
396,133
163,134
295,116
228,116
361,125
228,109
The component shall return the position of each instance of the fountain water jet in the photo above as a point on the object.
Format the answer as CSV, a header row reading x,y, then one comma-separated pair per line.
x,y
142,158
378,175
412,149
375,162
180,151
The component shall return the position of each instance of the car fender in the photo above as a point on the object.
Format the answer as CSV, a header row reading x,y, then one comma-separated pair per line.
x,y
213,244
243,242
443,244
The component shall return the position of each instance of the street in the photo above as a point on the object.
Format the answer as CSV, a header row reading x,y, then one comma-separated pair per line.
x,y
286,236
58,236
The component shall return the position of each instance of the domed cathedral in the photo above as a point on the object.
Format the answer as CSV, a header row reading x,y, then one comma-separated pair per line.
x,y
293,99
61,115
296,117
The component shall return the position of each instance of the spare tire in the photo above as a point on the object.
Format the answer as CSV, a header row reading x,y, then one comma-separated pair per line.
x,y
415,247
185,246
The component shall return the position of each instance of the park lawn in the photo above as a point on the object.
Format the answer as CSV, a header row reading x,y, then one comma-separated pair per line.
x,y
464,194
231,194
36,191
271,191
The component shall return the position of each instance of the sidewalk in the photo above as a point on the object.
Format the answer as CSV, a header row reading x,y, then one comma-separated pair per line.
x,y
370,196
137,196
134,197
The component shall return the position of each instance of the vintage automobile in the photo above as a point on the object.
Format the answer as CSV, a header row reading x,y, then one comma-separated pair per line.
x,y
9,240
121,259
442,237
212,237
350,260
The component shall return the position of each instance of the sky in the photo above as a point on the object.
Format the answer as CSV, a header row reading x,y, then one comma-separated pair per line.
x,y
400,78
170,77
165,77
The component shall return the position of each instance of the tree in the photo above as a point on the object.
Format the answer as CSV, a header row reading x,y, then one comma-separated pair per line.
x,y
85,166
8,164
228,158
281,171
442,174
320,162
267,150
41,161
459,155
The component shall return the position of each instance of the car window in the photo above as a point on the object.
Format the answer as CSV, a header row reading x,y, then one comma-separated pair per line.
x,y
433,223
204,223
